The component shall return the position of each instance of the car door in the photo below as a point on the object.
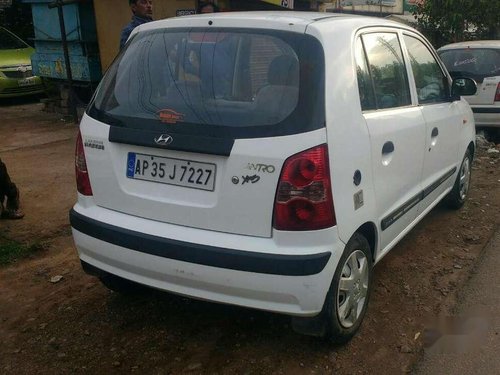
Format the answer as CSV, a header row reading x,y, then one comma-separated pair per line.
x,y
397,133
443,120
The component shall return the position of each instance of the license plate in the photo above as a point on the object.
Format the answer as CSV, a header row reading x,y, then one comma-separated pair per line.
x,y
27,81
171,171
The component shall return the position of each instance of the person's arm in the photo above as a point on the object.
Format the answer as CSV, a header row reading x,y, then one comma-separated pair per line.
x,y
123,37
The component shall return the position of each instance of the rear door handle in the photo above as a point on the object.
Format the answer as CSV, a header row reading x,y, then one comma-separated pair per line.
x,y
434,135
387,153
388,148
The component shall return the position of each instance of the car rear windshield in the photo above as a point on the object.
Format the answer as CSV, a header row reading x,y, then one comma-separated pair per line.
x,y
221,82
10,41
475,62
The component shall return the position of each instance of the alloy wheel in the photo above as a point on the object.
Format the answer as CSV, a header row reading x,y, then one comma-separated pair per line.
x,y
352,289
464,178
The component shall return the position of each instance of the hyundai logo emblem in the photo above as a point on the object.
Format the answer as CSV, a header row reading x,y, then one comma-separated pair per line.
x,y
164,140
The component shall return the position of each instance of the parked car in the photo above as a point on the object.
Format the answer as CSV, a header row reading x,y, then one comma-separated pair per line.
x,y
267,160
479,60
16,77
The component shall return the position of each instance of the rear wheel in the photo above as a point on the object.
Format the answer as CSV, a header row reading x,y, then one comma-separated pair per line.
x,y
457,196
347,299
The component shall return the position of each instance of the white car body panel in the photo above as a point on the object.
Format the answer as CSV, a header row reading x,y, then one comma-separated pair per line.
x,y
443,121
341,120
396,176
293,295
485,92
230,208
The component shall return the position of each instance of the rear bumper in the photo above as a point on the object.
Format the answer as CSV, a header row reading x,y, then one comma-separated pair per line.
x,y
487,116
274,264
277,277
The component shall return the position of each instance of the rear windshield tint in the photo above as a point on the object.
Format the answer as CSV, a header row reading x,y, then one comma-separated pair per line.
x,y
475,62
243,83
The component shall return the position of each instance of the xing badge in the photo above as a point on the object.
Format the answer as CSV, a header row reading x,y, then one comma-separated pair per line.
x,y
245,180
250,179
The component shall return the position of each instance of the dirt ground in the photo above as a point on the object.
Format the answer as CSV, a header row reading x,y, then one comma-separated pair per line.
x,y
77,326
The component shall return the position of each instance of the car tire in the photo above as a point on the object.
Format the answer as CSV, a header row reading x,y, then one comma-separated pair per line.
x,y
347,299
458,194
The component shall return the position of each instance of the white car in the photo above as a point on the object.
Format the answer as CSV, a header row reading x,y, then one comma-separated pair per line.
x,y
267,160
479,60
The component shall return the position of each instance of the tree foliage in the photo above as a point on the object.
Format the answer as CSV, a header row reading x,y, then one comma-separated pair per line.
x,y
448,21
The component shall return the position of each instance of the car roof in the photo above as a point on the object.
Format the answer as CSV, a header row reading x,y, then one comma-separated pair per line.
x,y
472,44
284,20
283,16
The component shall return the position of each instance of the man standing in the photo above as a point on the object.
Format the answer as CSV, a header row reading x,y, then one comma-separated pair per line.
x,y
142,13
9,193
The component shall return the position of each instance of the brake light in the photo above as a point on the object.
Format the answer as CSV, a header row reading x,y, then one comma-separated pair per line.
x,y
82,176
304,197
497,94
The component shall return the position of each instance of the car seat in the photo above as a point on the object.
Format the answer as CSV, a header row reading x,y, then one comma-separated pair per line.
x,y
279,97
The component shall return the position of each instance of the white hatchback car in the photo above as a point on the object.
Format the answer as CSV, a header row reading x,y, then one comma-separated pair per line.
x,y
267,160
479,60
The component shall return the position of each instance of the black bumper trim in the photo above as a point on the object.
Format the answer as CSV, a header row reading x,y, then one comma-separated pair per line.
x,y
285,265
403,209
485,110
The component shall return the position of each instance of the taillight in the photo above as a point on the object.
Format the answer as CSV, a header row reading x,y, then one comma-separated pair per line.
x,y
304,197
497,94
82,176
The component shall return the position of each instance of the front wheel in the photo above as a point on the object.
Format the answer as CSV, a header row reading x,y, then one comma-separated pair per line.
x,y
457,196
347,299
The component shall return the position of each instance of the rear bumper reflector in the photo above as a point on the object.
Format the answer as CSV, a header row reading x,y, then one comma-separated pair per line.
x,y
273,264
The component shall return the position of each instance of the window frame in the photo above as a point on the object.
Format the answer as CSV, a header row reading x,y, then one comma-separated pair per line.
x,y
384,30
359,40
436,57
401,31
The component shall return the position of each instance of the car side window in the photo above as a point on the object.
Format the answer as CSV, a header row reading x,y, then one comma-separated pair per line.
x,y
365,84
387,69
431,82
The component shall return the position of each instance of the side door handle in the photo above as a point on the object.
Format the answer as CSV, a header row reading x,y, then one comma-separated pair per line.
x,y
388,148
387,153
434,135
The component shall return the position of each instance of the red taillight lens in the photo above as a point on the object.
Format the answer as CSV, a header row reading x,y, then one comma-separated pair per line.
x,y
304,198
82,176
497,94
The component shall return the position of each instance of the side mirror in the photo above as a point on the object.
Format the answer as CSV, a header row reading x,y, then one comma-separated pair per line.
x,y
463,87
